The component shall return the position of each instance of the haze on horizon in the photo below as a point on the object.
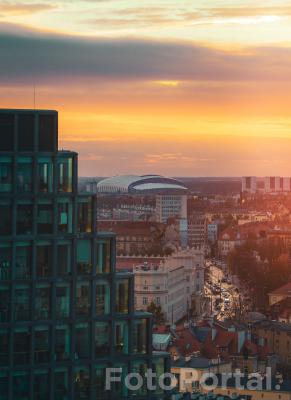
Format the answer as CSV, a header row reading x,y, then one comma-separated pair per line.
x,y
176,88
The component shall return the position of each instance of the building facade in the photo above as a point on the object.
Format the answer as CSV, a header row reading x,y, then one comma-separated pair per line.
x,y
65,314
171,206
197,230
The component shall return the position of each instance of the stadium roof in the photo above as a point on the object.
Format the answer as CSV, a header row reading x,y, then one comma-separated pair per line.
x,y
135,183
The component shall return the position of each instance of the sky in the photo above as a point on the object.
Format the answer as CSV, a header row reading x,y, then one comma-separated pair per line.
x,y
176,87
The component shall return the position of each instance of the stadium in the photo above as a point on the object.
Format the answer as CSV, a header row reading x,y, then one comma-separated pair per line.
x,y
140,184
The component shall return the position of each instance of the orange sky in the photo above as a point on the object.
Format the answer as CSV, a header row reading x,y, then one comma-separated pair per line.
x,y
171,89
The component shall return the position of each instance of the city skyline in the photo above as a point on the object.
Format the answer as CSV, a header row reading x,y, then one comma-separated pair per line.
x,y
174,89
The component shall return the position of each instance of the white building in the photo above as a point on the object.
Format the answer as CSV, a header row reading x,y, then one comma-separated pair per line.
x,y
171,206
273,184
249,184
172,284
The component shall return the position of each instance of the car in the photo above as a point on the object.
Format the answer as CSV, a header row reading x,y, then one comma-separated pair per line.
x,y
226,300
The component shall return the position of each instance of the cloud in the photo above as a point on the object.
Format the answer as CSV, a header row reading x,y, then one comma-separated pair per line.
x,y
13,8
27,55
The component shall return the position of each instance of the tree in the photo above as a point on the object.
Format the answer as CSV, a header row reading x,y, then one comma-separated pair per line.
x,y
158,315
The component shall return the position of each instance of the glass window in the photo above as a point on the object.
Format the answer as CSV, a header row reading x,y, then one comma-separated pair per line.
x,y
5,218
140,368
61,384
84,257
23,260
159,369
45,175
64,258
119,390
82,345
4,384
121,337
5,174
5,261
24,174
7,132
102,338
20,385
65,214
42,301
4,347
24,218
140,336
85,215
62,343
100,380
44,254
22,303
82,383
4,303
122,288
21,346
103,256
41,344
46,136
65,174
102,297
62,300
83,299
41,385
45,217
26,132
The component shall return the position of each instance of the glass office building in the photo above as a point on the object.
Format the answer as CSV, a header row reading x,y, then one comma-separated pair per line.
x,y
65,314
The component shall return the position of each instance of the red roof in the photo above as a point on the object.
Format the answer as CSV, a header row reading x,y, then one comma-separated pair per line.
x,y
284,290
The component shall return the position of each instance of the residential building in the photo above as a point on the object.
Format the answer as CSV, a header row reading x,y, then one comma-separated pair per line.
x,y
197,230
171,206
249,184
212,232
65,314
273,184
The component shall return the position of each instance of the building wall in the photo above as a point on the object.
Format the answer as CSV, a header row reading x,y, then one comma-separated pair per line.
x,y
169,206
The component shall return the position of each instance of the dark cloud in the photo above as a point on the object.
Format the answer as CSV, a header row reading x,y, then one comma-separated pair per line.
x,y
31,55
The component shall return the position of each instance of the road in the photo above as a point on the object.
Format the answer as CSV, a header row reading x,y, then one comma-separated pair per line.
x,y
226,299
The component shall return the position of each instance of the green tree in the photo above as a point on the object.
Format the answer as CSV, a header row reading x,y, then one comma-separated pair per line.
x,y
158,315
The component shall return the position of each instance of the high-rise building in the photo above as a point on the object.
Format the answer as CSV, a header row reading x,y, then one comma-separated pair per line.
x,y
197,230
249,184
65,314
273,184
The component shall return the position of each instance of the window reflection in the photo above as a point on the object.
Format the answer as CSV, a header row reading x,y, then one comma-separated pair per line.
x,y
41,385
23,260
4,303
102,297
83,299
5,261
4,347
62,300
24,218
84,257
102,338
41,344
85,213
103,256
4,386
122,288
100,379
45,175
82,381
141,369
45,217
44,259
65,174
65,216
22,303
42,302
62,343
61,384
140,336
24,174
82,348
64,258
5,174
121,337
21,346
5,218
20,385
